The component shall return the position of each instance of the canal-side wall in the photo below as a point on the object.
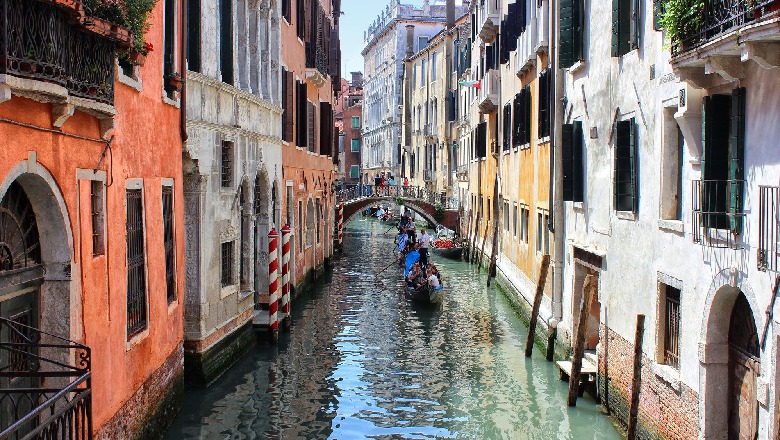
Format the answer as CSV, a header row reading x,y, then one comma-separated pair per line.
x,y
148,413
668,408
203,366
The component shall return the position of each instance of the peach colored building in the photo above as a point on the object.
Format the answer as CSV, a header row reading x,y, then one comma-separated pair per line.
x,y
91,247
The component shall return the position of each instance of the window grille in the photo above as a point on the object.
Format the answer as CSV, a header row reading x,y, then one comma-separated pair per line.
x,y
226,159
227,264
136,264
168,244
768,228
672,328
97,214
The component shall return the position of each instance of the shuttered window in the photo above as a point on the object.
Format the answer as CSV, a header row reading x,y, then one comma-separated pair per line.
x,y
311,115
544,104
573,181
481,140
193,35
286,9
658,13
625,26
507,128
326,128
572,28
722,163
521,134
626,195
288,87
300,110
226,40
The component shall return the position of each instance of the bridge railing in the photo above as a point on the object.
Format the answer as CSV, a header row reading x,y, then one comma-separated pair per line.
x,y
354,192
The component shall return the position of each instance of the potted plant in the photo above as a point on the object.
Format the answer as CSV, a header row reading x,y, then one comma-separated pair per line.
x,y
174,81
682,19
138,56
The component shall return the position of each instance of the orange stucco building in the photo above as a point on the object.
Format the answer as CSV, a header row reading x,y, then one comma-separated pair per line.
x,y
310,68
91,248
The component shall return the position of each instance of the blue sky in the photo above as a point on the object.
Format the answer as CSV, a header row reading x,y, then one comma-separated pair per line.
x,y
358,14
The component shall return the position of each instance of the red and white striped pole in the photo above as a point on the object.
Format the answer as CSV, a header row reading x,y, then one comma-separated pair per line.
x,y
341,224
273,284
286,275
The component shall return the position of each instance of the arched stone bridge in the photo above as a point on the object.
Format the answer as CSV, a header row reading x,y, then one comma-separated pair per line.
x,y
420,200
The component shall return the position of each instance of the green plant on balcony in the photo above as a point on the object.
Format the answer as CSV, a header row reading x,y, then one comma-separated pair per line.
x,y
438,212
133,15
682,19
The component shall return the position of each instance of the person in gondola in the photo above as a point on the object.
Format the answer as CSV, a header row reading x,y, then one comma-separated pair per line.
x,y
424,242
434,279
414,279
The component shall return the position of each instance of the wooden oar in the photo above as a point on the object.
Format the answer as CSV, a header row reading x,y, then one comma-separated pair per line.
x,y
391,228
388,267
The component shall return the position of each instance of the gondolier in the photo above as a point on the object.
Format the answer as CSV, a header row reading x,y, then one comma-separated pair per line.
x,y
425,242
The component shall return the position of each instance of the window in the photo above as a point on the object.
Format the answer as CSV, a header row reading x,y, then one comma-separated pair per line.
x,y
421,43
227,268
356,122
288,88
311,115
572,28
169,44
481,143
414,76
507,128
515,225
226,40
97,199
625,26
193,35
317,210
136,263
355,147
626,191
669,340
169,244
525,217
341,142
544,104
542,233
433,66
309,223
521,122
573,181
722,160
300,18
423,74
506,216
286,10
671,168
301,117
226,163
300,223
354,171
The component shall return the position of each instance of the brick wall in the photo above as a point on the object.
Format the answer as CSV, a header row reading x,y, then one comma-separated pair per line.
x,y
666,410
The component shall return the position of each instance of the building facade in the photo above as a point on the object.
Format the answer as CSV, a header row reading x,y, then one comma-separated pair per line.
x,y
349,117
91,247
233,176
384,54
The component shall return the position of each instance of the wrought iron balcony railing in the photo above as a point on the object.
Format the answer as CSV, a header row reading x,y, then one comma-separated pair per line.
x,y
717,215
45,385
721,16
44,42
768,227
317,58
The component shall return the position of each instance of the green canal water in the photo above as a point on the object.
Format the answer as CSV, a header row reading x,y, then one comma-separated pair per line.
x,y
362,362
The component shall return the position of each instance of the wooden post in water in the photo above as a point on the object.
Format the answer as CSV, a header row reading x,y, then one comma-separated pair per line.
x,y
482,248
591,283
472,252
529,343
636,382
493,250
465,255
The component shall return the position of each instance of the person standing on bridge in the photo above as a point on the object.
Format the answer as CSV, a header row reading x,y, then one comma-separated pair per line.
x,y
424,241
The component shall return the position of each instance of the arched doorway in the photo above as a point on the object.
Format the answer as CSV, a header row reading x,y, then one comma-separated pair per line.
x,y
261,230
744,369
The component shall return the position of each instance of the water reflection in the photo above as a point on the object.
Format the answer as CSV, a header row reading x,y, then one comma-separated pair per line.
x,y
362,362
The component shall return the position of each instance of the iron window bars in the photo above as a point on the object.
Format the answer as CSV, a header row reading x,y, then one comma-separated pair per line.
x,y
136,264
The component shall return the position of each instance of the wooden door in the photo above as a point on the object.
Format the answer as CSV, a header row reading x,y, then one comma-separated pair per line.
x,y
743,407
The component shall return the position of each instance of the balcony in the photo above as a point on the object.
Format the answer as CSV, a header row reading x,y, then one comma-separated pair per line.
x,y
732,32
768,226
488,92
46,385
316,64
533,40
488,18
717,215
51,51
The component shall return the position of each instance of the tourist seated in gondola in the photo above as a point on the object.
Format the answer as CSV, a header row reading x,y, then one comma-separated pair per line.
x,y
415,277
434,279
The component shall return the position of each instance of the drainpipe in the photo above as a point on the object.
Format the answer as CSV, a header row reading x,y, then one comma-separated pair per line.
x,y
556,168
183,68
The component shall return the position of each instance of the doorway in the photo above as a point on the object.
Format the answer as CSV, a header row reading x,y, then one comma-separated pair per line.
x,y
581,271
744,369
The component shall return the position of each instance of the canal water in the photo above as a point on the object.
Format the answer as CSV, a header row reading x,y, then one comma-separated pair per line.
x,y
362,362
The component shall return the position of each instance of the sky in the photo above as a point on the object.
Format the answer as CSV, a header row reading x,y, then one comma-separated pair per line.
x,y
357,15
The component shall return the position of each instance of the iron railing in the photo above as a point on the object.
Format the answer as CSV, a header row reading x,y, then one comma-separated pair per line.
x,y
721,16
351,193
768,224
317,58
45,385
717,215
42,42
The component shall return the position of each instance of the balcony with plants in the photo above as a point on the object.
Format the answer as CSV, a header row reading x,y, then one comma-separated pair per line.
x,y
716,36
58,50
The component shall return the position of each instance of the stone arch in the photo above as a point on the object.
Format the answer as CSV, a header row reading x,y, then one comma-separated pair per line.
x,y
724,290
59,300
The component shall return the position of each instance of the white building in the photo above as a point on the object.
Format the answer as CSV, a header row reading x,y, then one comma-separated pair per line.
x,y
385,48
232,175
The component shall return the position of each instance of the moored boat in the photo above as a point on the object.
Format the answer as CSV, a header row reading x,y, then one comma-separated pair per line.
x,y
425,295
453,253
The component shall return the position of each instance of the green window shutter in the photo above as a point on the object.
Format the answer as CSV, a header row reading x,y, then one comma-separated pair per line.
x,y
616,28
566,55
528,113
737,158
568,162
579,28
578,168
624,166
636,13
658,12
621,27
634,156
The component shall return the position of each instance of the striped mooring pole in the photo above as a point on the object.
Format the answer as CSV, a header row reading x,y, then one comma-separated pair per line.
x,y
273,284
286,275
341,224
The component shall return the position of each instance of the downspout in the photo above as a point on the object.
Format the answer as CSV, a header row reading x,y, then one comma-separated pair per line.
x,y
183,68
556,168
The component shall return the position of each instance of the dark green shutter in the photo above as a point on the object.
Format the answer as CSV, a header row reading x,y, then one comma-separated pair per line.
x,y
736,158
568,162
621,27
566,55
635,28
633,154
578,174
658,13
615,28
528,112
625,165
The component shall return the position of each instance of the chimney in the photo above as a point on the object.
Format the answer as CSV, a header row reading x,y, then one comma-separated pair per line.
x,y
450,14
357,79
426,8
409,40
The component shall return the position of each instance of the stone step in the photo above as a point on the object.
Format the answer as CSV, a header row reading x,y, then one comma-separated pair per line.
x,y
592,357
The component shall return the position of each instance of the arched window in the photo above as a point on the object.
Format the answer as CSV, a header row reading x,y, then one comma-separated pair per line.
x,y
19,241
309,223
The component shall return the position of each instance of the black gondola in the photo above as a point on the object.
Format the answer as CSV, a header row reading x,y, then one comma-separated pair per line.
x,y
450,253
425,295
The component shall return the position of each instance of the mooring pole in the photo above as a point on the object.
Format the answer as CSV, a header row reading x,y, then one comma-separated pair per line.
x,y
529,342
636,382
579,341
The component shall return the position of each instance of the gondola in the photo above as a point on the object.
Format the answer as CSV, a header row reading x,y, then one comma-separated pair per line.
x,y
425,295
453,253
